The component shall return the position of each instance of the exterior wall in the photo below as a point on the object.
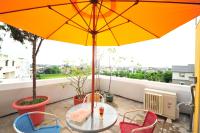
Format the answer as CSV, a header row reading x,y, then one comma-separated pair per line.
x,y
129,88
182,74
182,82
20,68
176,75
177,79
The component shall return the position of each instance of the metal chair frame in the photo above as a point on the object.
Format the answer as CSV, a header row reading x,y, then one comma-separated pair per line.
x,y
101,97
141,128
55,118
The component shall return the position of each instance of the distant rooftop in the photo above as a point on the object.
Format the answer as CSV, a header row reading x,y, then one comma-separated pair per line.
x,y
187,69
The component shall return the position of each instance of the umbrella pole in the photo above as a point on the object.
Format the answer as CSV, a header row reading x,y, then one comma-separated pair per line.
x,y
93,54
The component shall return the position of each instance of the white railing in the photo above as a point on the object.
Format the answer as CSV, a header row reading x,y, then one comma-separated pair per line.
x,y
129,88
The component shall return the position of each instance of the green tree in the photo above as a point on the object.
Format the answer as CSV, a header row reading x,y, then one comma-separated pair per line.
x,y
52,70
122,73
139,75
22,36
167,76
2,28
2,34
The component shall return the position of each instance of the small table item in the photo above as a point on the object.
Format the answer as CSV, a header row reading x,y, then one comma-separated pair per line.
x,y
79,115
92,123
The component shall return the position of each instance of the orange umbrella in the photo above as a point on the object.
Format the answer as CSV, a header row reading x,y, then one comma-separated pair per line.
x,y
98,22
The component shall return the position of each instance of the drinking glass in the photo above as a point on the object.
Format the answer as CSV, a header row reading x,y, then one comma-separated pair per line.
x,y
101,111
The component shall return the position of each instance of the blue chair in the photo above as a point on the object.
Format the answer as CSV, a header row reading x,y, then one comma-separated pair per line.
x,y
23,124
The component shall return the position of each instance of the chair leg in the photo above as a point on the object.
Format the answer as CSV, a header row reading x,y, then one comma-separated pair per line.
x,y
66,126
191,121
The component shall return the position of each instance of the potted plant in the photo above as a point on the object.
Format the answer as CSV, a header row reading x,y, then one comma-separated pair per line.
x,y
78,77
34,102
109,96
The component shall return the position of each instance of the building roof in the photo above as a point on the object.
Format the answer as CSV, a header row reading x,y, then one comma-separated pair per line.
x,y
187,69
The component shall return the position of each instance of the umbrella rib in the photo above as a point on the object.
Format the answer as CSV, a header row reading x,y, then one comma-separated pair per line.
x,y
67,18
172,2
88,29
114,26
61,27
86,39
120,14
109,28
80,14
98,13
32,8
145,29
115,12
131,22
55,30
77,27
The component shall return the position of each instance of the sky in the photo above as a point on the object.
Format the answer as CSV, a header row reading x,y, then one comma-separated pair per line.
x,y
175,48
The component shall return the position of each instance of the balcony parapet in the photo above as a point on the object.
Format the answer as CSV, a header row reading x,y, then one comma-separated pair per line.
x,y
129,88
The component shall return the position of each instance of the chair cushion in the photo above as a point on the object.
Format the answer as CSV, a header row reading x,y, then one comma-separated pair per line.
x,y
128,127
48,129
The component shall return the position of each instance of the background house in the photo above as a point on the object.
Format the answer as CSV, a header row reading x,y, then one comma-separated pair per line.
x,y
14,68
182,74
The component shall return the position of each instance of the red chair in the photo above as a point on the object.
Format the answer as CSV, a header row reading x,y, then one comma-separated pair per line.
x,y
146,127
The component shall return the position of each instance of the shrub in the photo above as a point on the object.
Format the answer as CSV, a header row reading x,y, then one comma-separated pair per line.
x,y
167,76
52,70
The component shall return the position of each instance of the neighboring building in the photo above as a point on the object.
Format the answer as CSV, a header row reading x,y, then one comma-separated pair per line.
x,y
182,74
14,68
154,69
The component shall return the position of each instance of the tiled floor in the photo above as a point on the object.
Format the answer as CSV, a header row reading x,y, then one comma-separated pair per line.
x,y
121,104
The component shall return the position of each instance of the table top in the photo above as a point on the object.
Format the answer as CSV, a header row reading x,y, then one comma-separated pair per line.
x,y
93,123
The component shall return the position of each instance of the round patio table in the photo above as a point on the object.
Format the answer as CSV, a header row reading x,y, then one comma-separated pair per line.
x,y
93,123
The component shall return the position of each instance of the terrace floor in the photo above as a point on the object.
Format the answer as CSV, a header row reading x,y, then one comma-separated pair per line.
x,y
121,105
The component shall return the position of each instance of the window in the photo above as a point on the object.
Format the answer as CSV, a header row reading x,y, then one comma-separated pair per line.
x,y
6,63
181,74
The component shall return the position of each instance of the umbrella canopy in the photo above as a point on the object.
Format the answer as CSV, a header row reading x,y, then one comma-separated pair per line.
x,y
118,22
98,22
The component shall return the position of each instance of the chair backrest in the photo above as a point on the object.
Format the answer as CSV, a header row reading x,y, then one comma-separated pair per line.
x,y
150,119
97,97
23,123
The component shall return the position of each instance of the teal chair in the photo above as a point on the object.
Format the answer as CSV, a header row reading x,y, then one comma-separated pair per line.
x,y
23,124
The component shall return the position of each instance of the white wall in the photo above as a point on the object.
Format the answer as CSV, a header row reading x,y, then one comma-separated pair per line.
x,y
134,89
130,88
176,75
52,88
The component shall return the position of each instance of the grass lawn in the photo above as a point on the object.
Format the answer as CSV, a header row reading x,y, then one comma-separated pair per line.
x,y
50,76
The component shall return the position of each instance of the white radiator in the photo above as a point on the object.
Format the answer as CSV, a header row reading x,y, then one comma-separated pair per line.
x,y
161,102
153,102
